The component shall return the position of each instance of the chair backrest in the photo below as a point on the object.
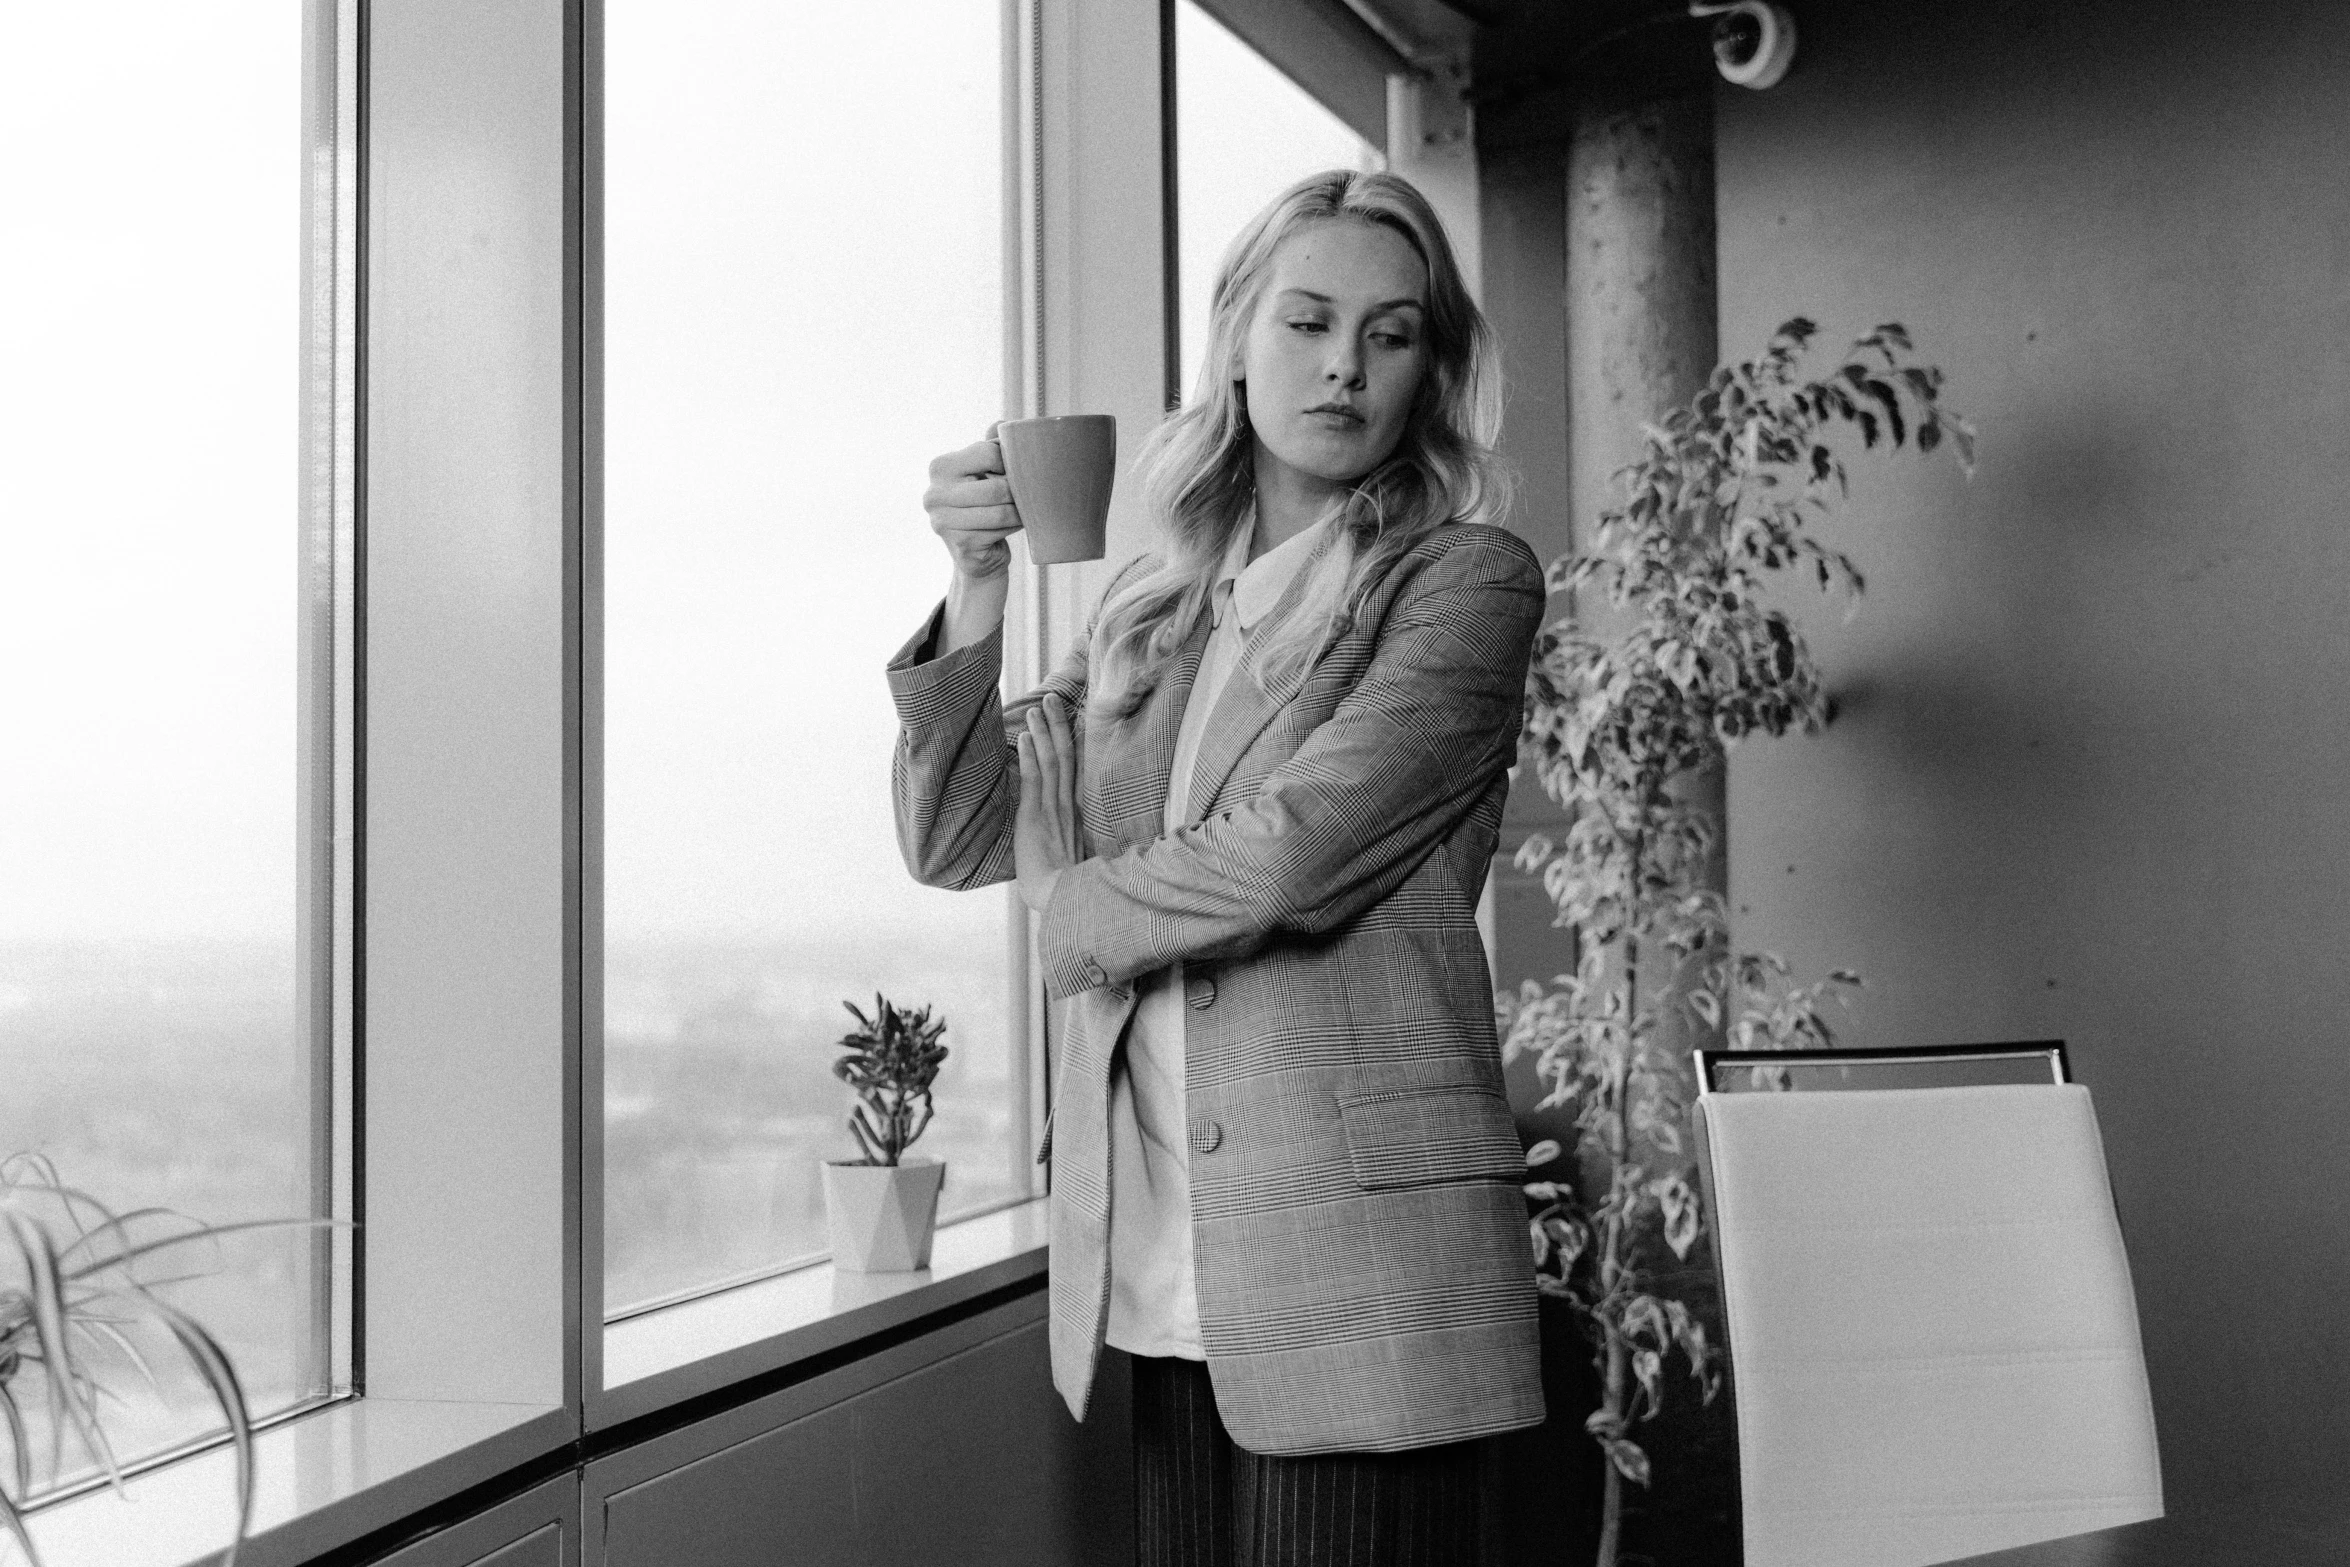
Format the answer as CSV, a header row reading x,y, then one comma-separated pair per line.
x,y
1933,1340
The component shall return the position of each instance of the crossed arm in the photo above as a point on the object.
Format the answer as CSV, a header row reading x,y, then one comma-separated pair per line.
x,y
1430,722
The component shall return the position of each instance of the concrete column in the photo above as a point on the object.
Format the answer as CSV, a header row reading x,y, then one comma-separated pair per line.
x,y
1599,257
1641,339
1641,321
1641,288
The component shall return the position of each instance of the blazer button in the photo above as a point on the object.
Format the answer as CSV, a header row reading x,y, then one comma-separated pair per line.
x,y
1206,1136
1095,972
1201,993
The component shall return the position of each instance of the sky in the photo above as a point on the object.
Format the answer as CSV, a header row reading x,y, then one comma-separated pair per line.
x,y
801,310
150,171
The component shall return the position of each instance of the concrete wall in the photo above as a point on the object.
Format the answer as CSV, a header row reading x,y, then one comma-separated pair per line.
x,y
2092,775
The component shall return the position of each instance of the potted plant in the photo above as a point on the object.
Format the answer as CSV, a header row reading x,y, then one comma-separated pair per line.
x,y
74,1308
1720,502
882,1209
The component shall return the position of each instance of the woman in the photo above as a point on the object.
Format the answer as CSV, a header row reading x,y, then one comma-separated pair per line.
x,y
1253,810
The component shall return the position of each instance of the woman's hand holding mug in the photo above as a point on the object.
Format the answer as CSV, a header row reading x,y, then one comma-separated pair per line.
x,y
970,506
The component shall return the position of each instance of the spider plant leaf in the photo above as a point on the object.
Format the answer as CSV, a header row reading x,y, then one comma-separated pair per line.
x,y
39,1163
101,1292
103,1327
207,1232
119,1225
101,1446
20,1453
221,1377
72,1200
14,1523
39,1256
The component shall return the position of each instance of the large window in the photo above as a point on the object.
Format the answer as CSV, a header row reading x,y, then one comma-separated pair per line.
x,y
169,675
447,560
803,303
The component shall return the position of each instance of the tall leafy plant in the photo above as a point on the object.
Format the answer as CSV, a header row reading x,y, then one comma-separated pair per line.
x,y
1698,656
78,1286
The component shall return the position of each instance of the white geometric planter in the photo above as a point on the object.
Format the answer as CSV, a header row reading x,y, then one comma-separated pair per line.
x,y
881,1216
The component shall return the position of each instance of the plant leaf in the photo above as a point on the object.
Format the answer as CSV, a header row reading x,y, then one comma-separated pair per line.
x,y
221,1378
60,1377
14,1523
20,1460
1648,1368
1629,1460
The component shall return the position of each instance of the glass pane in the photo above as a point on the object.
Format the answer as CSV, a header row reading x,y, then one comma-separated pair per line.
x,y
803,305
1243,131
149,663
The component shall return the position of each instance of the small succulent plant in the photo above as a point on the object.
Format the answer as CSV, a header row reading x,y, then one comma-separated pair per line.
x,y
893,1057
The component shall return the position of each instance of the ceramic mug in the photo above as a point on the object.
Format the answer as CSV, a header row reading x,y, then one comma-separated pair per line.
x,y
1060,469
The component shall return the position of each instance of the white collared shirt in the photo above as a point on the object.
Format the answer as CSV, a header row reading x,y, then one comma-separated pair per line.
x,y
1154,1298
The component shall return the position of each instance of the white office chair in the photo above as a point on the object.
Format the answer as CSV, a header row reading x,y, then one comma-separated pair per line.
x,y
1933,1341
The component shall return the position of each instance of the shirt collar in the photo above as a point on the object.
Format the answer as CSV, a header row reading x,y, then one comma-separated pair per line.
x,y
1255,587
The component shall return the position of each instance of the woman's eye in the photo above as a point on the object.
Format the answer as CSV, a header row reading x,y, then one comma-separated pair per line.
x,y
1305,326
1391,340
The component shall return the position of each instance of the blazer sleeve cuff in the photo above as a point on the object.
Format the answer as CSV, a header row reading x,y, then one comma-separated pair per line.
x,y
1068,967
928,688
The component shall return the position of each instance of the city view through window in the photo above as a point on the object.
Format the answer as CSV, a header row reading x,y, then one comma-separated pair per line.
x,y
803,307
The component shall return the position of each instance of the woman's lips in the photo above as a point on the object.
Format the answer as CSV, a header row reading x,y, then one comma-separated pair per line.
x,y
1337,418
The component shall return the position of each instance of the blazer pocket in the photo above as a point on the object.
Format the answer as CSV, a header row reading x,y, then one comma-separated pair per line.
x,y
1402,1137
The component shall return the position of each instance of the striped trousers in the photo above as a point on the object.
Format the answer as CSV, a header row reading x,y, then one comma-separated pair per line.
x,y
1202,1501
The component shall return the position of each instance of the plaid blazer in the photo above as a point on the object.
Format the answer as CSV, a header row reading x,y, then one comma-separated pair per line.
x,y
1359,1232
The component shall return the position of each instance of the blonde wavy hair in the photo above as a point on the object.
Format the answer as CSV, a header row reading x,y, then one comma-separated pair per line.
x,y
1198,469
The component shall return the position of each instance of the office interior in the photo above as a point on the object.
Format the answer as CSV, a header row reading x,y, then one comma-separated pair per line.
x,y
2085,779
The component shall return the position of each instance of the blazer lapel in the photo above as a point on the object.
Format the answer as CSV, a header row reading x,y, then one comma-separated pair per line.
x,y
1245,707
1132,764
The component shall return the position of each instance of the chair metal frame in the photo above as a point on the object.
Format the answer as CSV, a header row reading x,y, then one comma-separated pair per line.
x,y
1709,1061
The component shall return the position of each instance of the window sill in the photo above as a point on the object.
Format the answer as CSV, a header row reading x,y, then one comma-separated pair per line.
x,y
358,1467
320,1481
698,1347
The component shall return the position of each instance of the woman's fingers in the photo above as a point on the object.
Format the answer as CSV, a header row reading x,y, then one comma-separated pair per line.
x,y
1054,739
1056,716
969,490
970,507
977,460
1065,749
1048,767
983,525
1036,802
1044,830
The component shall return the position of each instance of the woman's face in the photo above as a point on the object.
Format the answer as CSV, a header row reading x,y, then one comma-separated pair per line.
x,y
1335,349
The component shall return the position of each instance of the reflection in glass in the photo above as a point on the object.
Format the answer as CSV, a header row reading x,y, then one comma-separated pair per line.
x,y
803,306
149,426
